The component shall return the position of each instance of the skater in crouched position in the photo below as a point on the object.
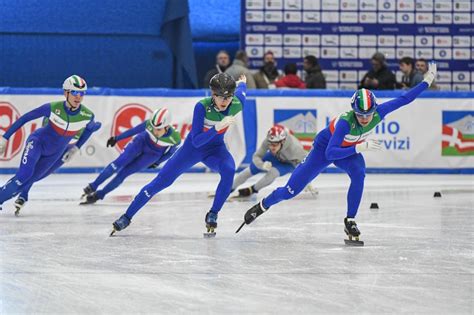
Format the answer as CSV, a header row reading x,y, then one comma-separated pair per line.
x,y
205,143
66,157
341,144
277,156
48,144
156,142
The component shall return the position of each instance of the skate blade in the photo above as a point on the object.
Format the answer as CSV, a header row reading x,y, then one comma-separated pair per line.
x,y
112,233
84,203
17,213
354,243
210,232
240,227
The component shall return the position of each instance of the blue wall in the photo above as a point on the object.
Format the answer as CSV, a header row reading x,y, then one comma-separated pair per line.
x,y
215,25
118,43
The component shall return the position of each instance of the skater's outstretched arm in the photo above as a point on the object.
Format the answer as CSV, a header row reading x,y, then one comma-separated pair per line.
x,y
241,92
132,131
42,111
334,150
405,99
410,95
201,137
91,127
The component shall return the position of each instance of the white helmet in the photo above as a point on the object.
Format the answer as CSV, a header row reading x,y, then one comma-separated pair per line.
x,y
161,118
75,83
277,133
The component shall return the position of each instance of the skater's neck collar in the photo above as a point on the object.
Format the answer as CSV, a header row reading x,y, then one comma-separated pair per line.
x,y
70,110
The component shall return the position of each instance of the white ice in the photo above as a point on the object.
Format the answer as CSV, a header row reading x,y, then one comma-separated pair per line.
x,y
57,256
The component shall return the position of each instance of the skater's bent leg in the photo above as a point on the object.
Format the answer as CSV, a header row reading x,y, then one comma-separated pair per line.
x,y
355,168
242,178
127,156
304,173
223,162
183,159
137,165
44,167
267,179
31,155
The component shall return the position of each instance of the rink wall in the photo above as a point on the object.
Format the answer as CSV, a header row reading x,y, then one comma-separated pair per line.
x,y
434,134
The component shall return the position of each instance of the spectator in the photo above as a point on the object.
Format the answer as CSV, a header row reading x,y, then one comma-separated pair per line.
x,y
314,76
222,63
290,79
410,77
268,73
421,66
239,67
380,77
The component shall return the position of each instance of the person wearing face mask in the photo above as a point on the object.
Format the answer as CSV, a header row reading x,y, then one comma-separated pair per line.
x,y
342,144
267,75
212,117
46,145
156,141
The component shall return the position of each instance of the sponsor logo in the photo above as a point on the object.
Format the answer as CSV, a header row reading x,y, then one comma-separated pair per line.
x,y
28,147
8,115
457,138
291,191
302,123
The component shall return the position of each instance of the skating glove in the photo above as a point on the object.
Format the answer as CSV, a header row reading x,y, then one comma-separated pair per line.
x,y
69,154
111,142
242,78
266,166
369,145
224,123
3,145
153,166
430,75
309,188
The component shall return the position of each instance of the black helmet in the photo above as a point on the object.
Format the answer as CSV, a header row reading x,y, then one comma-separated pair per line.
x,y
222,84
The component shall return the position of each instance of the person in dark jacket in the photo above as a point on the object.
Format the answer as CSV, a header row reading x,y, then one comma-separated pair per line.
x,y
314,76
268,73
290,79
380,77
411,76
222,63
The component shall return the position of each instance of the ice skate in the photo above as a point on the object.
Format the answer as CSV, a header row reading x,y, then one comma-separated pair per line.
x,y
19,203
87,191
252,214
90,199
120,224
211,224
243,194
352,232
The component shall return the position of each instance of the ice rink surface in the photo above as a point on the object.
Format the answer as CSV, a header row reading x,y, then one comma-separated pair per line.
x,y
57,256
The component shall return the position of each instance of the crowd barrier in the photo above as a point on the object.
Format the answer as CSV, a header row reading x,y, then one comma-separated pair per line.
x,y
434,134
